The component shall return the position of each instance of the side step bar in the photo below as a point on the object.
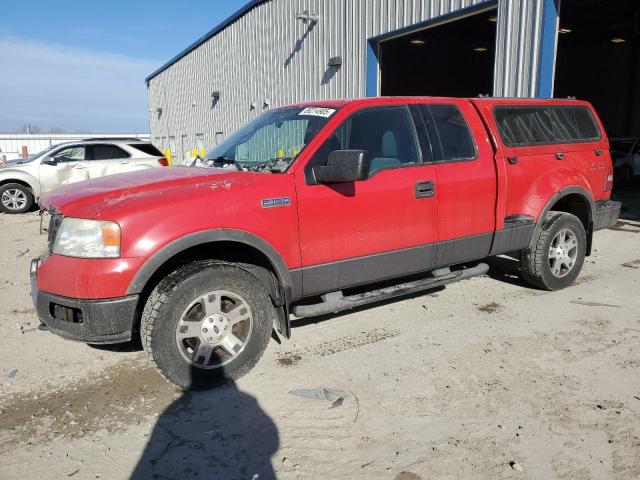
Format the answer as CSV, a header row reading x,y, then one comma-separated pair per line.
x,y
335,302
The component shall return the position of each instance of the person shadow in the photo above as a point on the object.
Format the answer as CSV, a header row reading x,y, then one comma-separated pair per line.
x,y
213,434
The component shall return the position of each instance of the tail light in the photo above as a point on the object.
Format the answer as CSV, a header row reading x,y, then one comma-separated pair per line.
x,y
608,183
163,162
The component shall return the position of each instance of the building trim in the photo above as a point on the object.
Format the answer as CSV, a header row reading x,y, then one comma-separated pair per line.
x,y
373,69
210,34
548,48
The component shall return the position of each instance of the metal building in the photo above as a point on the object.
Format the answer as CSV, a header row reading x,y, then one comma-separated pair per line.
x,y
277,52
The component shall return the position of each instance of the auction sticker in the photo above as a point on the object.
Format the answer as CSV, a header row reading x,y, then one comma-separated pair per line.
x,y
318,112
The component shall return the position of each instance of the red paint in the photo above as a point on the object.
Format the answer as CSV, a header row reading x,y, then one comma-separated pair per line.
x,y
324,223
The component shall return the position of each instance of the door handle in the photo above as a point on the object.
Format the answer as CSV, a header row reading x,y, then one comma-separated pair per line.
x,y
560,156
425,189
124,162
79,166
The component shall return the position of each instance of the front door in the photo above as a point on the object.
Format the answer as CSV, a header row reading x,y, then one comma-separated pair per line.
x,y
70,166
380,228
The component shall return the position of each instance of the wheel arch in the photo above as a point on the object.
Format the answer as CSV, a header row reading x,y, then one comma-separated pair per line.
x,y
576,201
20,181
245,249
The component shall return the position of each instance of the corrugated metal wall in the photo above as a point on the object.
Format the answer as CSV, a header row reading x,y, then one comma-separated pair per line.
x,y
269,55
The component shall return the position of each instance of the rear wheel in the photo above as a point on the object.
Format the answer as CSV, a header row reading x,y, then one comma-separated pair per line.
x,y
15,198
206,323
556,257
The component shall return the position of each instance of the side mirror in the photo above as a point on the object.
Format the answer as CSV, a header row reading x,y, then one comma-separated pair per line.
x,y
343,166
50,161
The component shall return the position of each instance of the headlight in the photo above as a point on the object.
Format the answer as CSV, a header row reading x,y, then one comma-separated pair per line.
x,y
77,237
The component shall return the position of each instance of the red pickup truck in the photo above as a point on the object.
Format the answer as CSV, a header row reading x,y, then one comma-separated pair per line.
x,y
316,208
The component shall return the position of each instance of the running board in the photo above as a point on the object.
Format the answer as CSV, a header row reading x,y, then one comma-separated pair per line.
x,y
335,302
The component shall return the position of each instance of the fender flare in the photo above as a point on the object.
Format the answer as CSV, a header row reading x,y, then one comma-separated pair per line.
x,y
591,212
160,257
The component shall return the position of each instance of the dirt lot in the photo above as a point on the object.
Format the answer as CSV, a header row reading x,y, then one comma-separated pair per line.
x,y
484,379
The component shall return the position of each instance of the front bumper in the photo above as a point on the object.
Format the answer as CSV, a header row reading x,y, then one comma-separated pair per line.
x,y
89,321
607,214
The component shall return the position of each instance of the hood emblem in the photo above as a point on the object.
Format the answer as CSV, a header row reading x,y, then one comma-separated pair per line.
x,y
276,202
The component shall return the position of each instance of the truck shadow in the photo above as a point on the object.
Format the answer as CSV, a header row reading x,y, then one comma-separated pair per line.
x,y
506,269
221,433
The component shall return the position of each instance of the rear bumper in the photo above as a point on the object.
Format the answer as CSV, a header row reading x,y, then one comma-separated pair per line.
x,y
89,321
607,214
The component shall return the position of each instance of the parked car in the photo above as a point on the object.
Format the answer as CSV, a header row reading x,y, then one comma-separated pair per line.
x,y
23,181
625,154
324,202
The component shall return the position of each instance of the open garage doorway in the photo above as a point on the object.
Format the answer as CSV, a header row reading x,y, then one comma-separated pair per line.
x,y
599,60
455,58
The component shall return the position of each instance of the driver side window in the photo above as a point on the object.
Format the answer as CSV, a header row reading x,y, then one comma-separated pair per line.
x,y
385,133
70,154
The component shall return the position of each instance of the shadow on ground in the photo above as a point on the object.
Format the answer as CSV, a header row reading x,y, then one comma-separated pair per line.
x,y
216,434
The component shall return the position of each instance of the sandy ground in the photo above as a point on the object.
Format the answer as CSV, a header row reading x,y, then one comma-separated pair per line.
x,y
484,379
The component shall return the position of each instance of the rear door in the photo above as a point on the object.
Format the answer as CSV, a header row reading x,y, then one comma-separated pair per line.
x,y
383,227
108,159
70,166
466,188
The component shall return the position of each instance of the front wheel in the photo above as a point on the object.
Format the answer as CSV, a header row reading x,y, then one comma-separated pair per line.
x,y
555,259
206,323
15,198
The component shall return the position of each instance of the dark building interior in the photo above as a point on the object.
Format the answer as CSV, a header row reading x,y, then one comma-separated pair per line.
x,y
452,59
599,60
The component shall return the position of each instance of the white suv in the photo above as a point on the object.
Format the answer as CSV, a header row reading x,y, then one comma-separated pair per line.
x,y
23,181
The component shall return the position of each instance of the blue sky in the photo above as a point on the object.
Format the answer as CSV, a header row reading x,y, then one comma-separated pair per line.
x,y
81,65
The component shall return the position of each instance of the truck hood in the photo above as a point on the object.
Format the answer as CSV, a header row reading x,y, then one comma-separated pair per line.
x,y
107,197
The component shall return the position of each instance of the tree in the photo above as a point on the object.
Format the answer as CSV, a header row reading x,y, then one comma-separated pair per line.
x,y
28,128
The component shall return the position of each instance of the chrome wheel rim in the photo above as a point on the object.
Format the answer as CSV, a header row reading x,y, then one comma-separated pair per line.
x,y
563,253
14,199
214,329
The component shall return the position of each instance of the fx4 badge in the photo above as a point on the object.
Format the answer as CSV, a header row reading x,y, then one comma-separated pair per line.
x,y
276,202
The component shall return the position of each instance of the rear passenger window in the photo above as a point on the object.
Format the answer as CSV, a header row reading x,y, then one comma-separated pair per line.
x,y
449,134
521,126
108,152
385,133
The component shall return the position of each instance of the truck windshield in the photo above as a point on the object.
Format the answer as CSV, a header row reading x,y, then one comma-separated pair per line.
x,y
271,142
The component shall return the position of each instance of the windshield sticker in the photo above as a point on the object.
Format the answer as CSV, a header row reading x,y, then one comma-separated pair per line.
x,y
317,112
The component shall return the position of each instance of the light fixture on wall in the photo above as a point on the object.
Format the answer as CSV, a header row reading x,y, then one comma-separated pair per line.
x,y
159,111
215,98
308,18
618,40
335,62
266,103
493,18
417,41
480,49
564,31
253,106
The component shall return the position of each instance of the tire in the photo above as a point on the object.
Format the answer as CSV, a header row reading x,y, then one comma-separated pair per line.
x,y
536,261
15,198
202,297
